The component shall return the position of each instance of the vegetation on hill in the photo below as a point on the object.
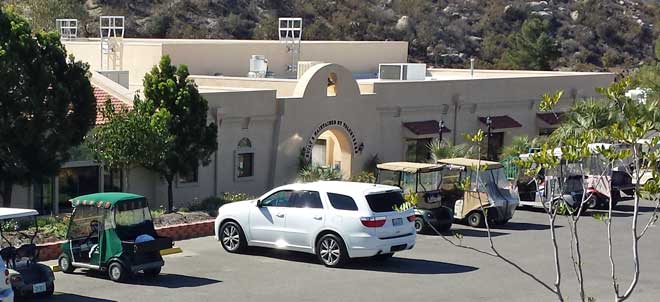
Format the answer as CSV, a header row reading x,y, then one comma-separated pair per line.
x,y
574,35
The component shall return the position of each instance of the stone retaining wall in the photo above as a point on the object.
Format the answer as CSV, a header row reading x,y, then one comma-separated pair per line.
x,y
51,250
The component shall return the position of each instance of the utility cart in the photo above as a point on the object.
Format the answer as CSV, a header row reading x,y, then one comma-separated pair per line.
x,y
424,180
114,233
28,277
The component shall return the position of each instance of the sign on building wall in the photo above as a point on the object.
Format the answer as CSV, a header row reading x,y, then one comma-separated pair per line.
x,y
327,125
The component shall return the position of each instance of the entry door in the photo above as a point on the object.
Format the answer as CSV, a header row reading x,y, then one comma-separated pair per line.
x,y
304,218
268,220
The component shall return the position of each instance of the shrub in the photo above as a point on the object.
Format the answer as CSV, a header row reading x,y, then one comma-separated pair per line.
x,y
364,176
315,173
157,212
211,204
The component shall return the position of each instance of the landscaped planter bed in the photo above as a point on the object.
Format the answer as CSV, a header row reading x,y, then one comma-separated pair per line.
x,y
178,226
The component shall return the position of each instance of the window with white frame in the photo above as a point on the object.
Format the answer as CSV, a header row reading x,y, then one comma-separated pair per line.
x,y
244,159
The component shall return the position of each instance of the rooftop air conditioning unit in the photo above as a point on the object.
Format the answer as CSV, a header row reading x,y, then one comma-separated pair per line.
x,y
402,71
303,66
258,66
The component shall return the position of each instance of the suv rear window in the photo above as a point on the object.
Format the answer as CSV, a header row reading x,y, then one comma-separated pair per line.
x,y
342,202
385,202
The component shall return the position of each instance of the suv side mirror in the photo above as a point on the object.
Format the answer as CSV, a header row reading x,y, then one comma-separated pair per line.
x,y
259,203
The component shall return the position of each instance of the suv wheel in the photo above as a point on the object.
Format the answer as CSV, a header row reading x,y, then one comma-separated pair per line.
x,y
330,249
232,237
65,264
475,219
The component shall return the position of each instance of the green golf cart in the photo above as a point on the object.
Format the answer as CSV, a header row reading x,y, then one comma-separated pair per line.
x,y
113,232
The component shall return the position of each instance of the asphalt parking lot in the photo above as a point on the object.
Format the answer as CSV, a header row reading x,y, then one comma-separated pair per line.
x,y
433,271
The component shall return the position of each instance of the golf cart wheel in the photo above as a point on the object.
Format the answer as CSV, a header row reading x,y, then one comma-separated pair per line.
x,y
232,237
420,225
331,251
65,265
117,272
475,219
152,273
444,227
383,257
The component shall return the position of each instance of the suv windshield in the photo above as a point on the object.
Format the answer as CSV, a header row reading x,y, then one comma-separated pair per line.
x,y
385,202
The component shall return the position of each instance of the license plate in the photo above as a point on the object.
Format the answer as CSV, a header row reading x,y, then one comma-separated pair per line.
x,y
397,221
39,288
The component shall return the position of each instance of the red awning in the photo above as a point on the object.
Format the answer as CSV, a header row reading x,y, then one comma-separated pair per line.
x,y
551,118
425,127
501,122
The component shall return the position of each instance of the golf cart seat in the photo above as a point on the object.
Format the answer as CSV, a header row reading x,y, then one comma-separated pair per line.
x,y
9,255
28,251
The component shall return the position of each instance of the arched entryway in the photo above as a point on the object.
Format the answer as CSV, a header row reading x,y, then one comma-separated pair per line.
x,y
333,150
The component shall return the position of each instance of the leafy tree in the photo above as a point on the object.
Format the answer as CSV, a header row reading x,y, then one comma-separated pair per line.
x,y
532,48
630,123
314,172
168,91
131,137
441,150
648,76
46,103
657,49
585,117
521,144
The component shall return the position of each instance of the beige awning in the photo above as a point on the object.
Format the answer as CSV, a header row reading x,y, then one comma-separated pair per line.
x,y
409,167
469,162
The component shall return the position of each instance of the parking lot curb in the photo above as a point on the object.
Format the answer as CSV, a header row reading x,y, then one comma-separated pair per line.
x,y
170,251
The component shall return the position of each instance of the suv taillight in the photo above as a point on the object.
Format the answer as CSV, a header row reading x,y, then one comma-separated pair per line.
x,y
373,222
412,218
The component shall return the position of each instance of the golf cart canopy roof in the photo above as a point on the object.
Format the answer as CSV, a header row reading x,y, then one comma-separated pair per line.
x,y
11,213
410,167
593,148
110,200
469,162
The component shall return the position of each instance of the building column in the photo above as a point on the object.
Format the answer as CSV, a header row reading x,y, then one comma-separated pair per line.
x,y
56,193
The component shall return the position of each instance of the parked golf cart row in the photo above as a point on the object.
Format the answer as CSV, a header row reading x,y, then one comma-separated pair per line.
x,y
108,232
601,185
442,196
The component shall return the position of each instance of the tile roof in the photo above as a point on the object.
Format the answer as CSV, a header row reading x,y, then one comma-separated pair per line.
x,y
101,97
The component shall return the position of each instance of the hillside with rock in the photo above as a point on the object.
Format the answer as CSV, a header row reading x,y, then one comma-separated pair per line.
x,y
588,34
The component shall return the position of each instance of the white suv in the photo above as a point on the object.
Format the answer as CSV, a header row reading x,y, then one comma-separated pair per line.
x,y
334,220
6,293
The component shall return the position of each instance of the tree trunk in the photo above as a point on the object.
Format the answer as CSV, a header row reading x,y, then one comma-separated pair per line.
x,y
7,188
170,194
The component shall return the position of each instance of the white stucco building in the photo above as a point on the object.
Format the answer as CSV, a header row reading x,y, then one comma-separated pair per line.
x,y
338,113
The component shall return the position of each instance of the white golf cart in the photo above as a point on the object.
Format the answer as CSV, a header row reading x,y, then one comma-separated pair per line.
x,y
587,174
28,277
